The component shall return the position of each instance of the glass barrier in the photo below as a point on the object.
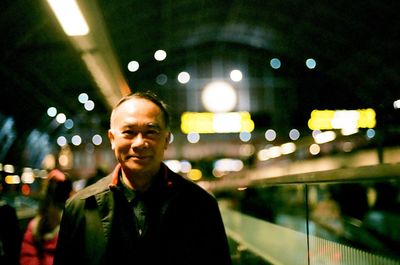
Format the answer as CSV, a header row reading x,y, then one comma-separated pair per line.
x,y
334,221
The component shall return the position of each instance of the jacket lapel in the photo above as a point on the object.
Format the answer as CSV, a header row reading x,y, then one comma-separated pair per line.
x,y
171,191
105,205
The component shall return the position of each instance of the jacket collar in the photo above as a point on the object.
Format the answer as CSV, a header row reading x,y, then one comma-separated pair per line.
x,y
116,173
115,176
106,203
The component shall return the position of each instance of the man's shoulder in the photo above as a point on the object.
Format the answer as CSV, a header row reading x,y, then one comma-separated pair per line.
x,y
188,187
98,187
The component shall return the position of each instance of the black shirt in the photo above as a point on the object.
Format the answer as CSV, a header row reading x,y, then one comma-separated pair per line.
x,y
139,207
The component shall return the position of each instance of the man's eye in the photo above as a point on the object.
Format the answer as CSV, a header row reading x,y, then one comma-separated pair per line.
x,y
152,132
128,132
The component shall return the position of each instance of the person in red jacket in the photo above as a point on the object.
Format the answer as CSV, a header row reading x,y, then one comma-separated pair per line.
x,y
41,235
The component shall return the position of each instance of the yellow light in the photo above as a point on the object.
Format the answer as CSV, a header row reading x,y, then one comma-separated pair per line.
x,y
247,126
195,174
208,122
12,179
70,17
367,119
342,119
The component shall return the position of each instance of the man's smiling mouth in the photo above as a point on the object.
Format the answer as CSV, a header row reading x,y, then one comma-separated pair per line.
x,y
138,157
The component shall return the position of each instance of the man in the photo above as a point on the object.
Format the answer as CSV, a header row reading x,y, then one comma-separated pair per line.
x,y
142,213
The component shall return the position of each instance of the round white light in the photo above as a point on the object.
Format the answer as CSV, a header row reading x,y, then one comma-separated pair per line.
x,y
83,97
219,96
97,139
185,166
294,134
183,77
52,111
396,104
236,75
160,55
270,135
61,118
193,137
76,140
174,165
133,66
245,136
61,141
89,105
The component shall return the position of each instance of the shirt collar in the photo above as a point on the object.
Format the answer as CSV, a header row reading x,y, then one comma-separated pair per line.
x,y
129,193
158,184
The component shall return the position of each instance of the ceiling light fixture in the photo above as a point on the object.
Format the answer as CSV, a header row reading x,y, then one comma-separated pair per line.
x,y
70,17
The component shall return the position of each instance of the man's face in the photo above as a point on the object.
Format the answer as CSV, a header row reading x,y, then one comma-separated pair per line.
x,y
138,136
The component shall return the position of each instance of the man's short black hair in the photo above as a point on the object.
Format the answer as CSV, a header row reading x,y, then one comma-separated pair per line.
x,y
151,96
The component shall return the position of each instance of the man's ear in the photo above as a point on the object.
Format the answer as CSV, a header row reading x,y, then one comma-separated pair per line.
x,y
111,137
167,140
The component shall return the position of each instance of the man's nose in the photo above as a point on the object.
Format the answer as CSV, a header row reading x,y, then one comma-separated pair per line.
x,y
139,140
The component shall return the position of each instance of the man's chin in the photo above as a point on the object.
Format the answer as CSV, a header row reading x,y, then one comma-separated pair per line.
x,y
135,165
138,167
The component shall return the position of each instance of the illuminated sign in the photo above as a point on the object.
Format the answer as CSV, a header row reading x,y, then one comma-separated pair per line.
x,y
208,122
342,119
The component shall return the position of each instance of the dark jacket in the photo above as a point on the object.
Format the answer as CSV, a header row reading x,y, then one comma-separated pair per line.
x,y
10,234
97,227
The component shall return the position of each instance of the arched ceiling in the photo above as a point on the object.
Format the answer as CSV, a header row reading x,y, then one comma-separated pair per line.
x,y
355,44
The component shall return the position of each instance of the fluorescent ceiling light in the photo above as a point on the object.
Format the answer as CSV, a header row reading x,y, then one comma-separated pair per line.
x,y
70,17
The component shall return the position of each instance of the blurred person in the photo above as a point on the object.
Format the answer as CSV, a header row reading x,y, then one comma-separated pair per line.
x,y
328,217
40,238
142,213
99,174
382,220
10,232
352,210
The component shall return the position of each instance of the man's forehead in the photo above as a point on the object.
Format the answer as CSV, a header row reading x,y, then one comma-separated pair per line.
x,y
139,118
134,108
138,104
140,123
